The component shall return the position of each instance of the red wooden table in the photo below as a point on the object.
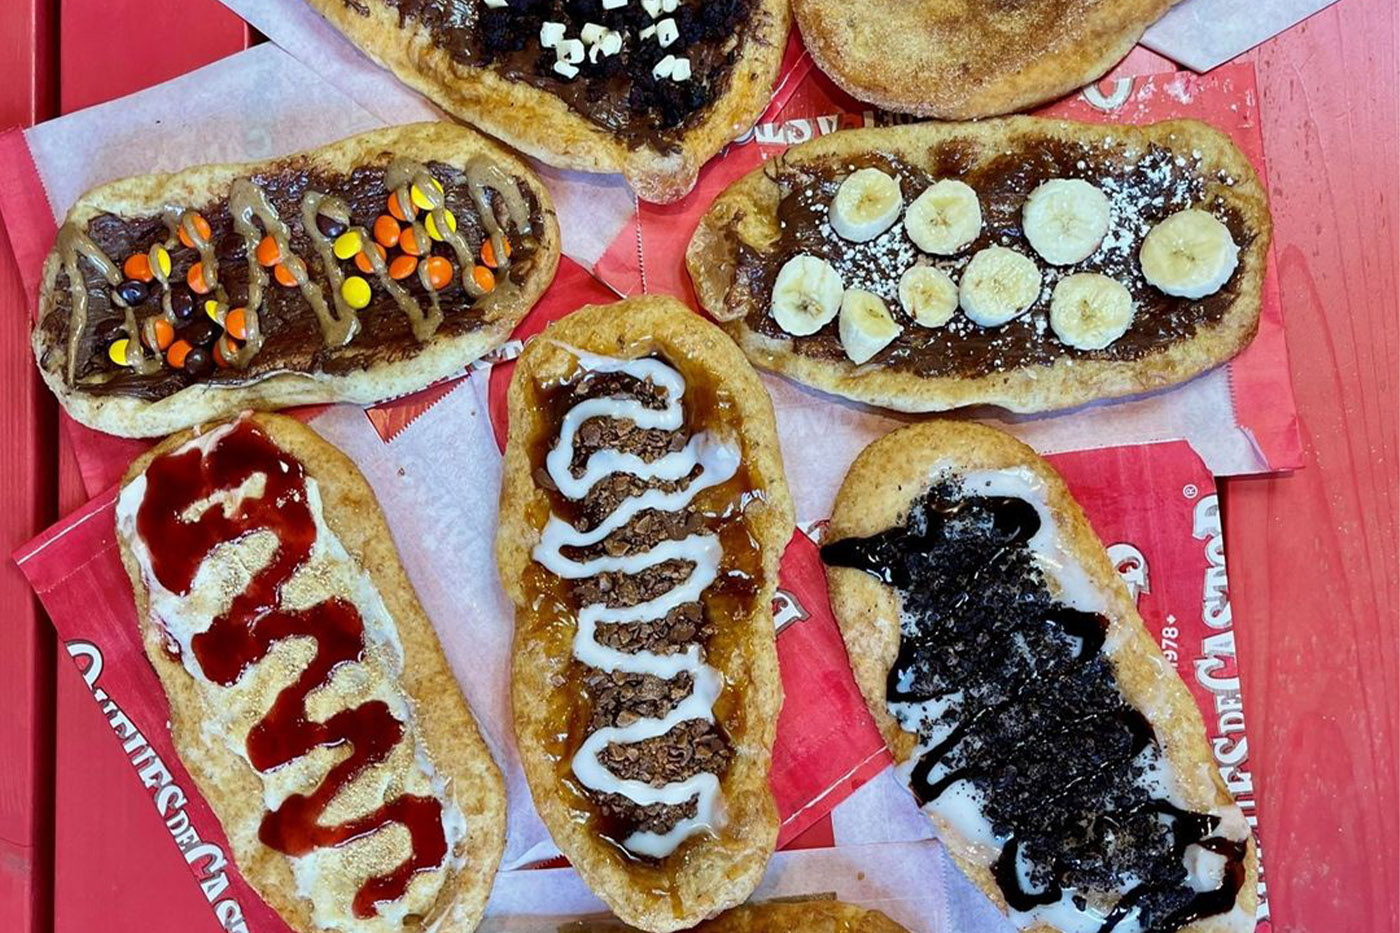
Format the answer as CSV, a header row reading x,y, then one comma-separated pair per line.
x,y
1313,556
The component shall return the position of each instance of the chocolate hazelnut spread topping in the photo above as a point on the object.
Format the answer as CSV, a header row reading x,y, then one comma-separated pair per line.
x,y
296,270
647,585
1141,189
1018,710
616,65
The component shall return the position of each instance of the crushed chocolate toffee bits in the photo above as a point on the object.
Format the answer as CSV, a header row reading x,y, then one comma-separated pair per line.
x,y
641,563
294,271
643,69
1049,251
1025,741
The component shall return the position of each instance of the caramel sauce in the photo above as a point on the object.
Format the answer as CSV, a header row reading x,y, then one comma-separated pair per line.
x,y
254,623
550,617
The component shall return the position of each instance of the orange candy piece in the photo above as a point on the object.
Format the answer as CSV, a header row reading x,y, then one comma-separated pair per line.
x,y
177,353
362,259
386,231
484,278
488,252
398,212
200,224
138,267
267,252
402,267
439,272
283,275
236,323
408,242
162,332
195,279
224,349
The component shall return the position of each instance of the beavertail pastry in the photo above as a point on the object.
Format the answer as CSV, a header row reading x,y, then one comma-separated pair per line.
x,y
648,88
957,60
799,915
642,517
309,698
357,272
1028,263
1058,753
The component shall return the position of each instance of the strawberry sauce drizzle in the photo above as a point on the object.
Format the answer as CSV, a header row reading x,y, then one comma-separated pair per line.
x,y
254,623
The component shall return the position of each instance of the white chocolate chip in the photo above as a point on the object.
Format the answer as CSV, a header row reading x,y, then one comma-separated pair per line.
x,y
648,32
613,4
663,68
681,70
496,4
565,69
612,43
570,50
667,32
551,34
591,33
653,7
669,6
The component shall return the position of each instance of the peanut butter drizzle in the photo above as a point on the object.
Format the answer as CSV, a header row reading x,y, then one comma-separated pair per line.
x,y
208,260
73,243
248,203
338,328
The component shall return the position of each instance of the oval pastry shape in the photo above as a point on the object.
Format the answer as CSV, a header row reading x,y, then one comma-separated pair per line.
x,y
944,59
1163,184
643,514
648,88
309,698
300,303
1061,758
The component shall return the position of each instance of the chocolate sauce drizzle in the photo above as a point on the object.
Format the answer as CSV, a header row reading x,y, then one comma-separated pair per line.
x,y
1042,729
255,622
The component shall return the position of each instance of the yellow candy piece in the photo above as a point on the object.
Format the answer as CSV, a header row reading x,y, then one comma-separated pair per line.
x,y
432,228
356,292
117,351
347,245
420,197
211,308
161,260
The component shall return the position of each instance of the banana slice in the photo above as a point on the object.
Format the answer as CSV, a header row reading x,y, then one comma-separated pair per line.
x,y
1089,311
998,284
1189,255
1065,220
867,326
806,295
866,205
945,219
928,295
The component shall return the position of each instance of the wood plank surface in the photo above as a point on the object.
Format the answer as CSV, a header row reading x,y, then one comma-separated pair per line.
x,y
1313,556
27,481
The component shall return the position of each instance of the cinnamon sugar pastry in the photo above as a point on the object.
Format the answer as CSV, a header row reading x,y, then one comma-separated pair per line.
x,y
1058,753
642,517
309,698
957,60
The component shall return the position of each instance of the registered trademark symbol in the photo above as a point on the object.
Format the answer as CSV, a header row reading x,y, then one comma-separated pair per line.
x,y
1190,491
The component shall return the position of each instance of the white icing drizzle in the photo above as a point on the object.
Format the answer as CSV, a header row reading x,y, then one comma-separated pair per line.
x,y
718,461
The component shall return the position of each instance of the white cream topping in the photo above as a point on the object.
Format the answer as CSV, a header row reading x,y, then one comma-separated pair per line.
x,y
961,805
329,570
718,461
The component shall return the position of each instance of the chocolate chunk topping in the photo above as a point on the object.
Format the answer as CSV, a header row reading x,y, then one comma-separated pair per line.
x,y
621,698
618,92
616,588
691,747
1141,193
1034,717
